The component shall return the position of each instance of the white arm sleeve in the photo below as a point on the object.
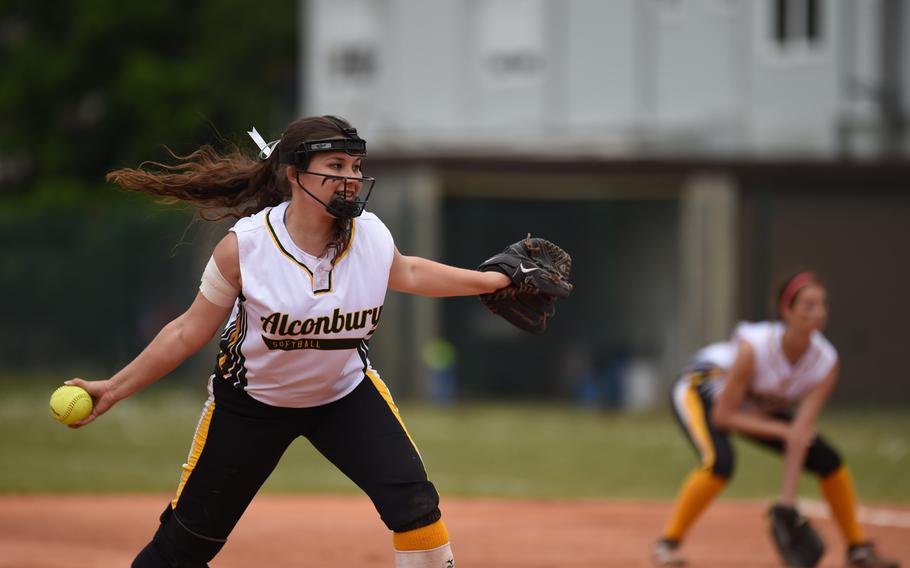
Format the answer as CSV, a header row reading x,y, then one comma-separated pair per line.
x,y
215,287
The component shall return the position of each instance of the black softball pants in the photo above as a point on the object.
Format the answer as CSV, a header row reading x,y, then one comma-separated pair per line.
x,y
240,441
693,412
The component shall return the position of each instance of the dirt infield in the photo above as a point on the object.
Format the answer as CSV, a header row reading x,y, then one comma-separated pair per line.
x,y
335,532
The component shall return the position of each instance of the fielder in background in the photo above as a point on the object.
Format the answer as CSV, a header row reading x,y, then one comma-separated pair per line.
x,y
301,279
769,384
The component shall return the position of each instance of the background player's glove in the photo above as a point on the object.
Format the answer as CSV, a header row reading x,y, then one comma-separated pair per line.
x,y
540,275
797,542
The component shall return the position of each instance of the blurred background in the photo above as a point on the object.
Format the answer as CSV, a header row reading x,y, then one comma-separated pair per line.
x,y
687,153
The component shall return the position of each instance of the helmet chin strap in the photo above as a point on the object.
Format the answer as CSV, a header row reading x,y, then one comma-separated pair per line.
x,y
338,206
341,208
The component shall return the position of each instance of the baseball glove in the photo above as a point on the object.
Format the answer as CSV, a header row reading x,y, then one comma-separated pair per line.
x,y
540,275
798,544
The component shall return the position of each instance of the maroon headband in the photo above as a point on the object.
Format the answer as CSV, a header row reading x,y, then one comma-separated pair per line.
x,y
793,287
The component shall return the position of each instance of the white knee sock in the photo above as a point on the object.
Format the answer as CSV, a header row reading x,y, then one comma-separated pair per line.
x,y
440,557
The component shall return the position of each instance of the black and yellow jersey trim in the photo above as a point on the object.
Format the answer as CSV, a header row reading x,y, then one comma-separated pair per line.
x,y
231,361
298,262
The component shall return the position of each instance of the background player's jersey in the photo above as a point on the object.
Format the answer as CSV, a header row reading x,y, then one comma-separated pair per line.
x,y
776,383
297,335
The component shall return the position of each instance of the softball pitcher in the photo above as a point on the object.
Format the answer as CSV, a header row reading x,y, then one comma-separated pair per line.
x,y
301,278
768,383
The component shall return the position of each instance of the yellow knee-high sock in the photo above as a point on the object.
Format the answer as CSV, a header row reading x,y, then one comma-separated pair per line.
x,y
425,538
697,491
838,491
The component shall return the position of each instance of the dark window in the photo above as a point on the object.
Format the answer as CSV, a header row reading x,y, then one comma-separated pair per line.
x,y
353,62
797,22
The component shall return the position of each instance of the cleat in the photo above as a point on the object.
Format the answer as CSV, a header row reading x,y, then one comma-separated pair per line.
x,y
665,553
863,555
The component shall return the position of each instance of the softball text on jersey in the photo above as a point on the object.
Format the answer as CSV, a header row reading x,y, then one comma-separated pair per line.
x,y
279,330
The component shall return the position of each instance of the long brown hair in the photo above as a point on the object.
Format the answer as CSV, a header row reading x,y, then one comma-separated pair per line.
x,y
231,184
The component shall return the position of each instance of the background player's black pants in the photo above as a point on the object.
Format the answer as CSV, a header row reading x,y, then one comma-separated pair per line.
x,y
821,457
359,433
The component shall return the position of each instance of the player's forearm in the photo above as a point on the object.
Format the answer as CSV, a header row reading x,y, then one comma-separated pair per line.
x,y
794,457
800,436
754,425
428,278
171,347
811,407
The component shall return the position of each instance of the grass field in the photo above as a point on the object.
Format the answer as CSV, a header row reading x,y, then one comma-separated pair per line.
x,y
546,451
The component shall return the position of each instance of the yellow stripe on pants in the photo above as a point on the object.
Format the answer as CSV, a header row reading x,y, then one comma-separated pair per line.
x,y
202,431
698,427
387,396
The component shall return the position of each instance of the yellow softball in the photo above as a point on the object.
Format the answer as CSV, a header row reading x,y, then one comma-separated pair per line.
x,y
70,404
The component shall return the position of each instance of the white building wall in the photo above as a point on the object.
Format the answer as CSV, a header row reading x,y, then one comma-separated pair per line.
x,y
420,78
859,55
343,45
795,91
600,90
905,86
699,64
617,77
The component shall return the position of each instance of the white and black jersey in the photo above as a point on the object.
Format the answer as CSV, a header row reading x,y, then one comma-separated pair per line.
x,y
776,382
297,335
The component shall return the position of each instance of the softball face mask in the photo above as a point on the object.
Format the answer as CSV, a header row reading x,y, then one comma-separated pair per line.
x,y
344,203
351,200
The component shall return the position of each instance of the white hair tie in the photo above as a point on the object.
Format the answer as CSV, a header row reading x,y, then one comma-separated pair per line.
x,y
265,148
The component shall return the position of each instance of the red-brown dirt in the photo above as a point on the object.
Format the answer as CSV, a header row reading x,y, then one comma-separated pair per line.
x,y
344,531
